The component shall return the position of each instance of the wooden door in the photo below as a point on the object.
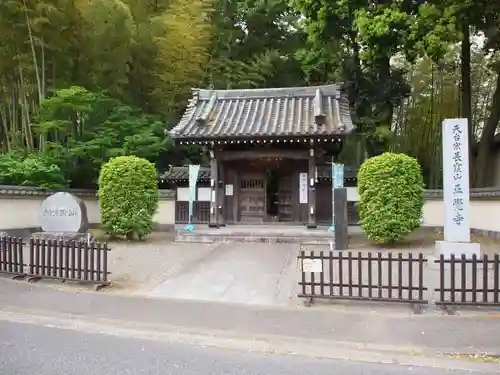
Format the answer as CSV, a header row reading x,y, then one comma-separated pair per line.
x,y
285,199
252,197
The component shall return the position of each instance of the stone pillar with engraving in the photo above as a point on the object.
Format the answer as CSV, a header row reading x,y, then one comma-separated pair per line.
x,y
62,216
456,191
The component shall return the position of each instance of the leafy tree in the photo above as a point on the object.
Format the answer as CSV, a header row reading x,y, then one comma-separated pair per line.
x,y
373,85
391,197
86,129
103,51
255,45
128,196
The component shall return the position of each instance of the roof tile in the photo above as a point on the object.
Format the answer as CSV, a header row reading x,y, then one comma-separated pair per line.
x,y
265,112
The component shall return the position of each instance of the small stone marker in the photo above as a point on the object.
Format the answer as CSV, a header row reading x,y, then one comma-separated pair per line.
x,y
62,215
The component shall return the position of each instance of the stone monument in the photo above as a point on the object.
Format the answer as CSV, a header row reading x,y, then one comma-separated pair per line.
x,y
456,191
63,216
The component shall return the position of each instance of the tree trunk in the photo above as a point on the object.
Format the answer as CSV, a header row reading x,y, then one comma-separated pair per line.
x,y
483,177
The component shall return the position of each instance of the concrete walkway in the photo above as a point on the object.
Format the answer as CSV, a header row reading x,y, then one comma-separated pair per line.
x,y
394,328
240,273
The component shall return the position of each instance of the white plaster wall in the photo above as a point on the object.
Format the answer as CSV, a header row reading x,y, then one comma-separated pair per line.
x,y
18,212
166,212
484,214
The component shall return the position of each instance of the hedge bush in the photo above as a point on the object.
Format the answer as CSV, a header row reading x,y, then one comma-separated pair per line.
x,y
391,192
128,196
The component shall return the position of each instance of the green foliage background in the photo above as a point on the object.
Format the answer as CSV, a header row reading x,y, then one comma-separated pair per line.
x,y
82,81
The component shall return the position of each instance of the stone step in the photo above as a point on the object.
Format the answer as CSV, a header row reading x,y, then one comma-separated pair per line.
x,y
202,238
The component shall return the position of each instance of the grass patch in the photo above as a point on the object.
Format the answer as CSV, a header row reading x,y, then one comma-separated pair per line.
x,y
477,357
101,236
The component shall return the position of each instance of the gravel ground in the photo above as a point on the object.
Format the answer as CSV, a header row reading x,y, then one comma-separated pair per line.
x,y
139,267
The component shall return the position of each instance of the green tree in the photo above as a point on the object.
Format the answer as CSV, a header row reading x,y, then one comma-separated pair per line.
x,y
104,48
85,129
374,86
128,196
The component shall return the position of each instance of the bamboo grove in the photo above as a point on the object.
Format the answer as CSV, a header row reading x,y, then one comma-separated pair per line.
x,y
82,81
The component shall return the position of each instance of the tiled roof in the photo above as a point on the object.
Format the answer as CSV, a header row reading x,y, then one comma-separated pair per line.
x,y
182,173
292,111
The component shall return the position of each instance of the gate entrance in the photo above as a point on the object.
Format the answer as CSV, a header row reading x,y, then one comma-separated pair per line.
x,y
252,198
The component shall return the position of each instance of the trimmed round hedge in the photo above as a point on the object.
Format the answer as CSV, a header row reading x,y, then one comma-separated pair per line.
x,y
128,196
391,192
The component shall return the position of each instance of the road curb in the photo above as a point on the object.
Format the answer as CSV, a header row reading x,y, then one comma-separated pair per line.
x,y
270,344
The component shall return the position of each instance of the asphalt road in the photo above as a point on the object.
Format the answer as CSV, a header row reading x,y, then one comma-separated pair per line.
x,y
31,349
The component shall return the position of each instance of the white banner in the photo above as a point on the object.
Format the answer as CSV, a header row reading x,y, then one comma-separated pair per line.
x,y
303,189
193,177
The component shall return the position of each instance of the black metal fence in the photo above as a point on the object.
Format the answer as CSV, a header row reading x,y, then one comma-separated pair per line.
x,y
369,277
389,277
11,256
80,261
473,281
69,260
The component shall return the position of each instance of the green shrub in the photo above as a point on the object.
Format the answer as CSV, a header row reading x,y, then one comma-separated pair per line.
x,y
34,169
128,196
391,191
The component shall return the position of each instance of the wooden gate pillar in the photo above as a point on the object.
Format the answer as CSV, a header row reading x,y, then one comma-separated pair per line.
x,y
311,196
214,192
221,203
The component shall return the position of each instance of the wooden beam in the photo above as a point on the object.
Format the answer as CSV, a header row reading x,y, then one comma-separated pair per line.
x,y
214,196
256,154
222,195
311,183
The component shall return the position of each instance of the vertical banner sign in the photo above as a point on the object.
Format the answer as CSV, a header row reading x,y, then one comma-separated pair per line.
x,y
193,177
339,175
332,228
337,182
456,180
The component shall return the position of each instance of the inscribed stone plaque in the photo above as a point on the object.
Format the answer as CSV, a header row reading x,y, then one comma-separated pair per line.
x,y
63,212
